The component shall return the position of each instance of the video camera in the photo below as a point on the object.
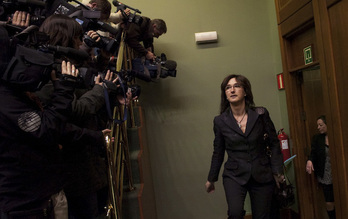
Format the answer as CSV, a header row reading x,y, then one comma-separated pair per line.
x,y
87,18
31,59
108,44
39,10
87,78
147,70
36,8
132,17
168,67
151,70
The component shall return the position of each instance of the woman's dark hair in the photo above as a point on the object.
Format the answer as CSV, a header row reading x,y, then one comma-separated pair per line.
x,y
245,83
63,30
322,117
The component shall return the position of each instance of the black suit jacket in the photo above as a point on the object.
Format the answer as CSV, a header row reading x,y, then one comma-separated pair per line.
x,y
246,151
318,154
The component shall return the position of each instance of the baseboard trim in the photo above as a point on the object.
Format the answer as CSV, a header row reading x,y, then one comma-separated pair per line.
x,y
287,213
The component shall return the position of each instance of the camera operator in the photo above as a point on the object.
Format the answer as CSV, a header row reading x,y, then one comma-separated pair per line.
x,y
31,178
31,168
145,32
103,6
114,17
87,177
16,22
82,156
99,50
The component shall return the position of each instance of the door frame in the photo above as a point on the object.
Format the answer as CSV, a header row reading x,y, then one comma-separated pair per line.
x,y
317,18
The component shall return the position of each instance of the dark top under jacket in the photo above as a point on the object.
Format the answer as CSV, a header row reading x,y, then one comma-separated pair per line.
x,y
30,159
246,151
318,154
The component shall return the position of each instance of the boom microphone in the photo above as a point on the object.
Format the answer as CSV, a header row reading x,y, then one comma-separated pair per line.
x,y
69,52
108,28
33,2
119,4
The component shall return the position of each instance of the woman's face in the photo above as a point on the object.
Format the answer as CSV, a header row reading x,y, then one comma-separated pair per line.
x,y
234,91
321,126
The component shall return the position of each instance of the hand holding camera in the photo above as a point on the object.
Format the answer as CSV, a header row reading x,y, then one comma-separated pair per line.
x,y
69,69
21,19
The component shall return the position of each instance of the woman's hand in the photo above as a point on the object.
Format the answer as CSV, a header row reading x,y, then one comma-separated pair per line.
x,y
94,35
128,99
309,167
106,132
108,80
21,18
69,69
209,187
279,178
109,75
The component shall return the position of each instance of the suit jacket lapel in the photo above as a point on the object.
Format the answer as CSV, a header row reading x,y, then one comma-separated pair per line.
x,y
252,118
230,121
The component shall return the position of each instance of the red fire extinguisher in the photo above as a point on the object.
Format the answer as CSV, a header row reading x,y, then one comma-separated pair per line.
x,y
284,144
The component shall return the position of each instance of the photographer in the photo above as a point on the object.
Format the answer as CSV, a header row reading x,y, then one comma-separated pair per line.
x,y
98,43
23,12
86,173
32,169
99,48
103,6
145,32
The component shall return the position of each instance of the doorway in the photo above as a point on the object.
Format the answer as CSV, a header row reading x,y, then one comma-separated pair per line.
x,y
310,84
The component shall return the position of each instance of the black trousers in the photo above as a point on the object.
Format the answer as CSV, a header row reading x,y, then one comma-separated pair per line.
x,y
83,207
29,214
328,192
260,197
45,211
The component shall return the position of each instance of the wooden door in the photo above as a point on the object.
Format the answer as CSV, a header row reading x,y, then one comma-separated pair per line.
x,y
323,24
313,106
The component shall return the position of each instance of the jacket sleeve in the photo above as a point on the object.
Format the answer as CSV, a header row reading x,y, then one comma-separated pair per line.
x,y
74,135
277,156
318,154
312,155
89,103
46,126
218,153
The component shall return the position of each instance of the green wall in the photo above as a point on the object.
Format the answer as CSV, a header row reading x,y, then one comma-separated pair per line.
x,y
179,111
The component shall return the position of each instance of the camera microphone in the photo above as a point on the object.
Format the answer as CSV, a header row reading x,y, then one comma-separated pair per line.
x,y
33,2
70,52
108,28
170,65
163,57
119,4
